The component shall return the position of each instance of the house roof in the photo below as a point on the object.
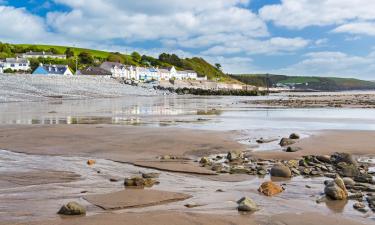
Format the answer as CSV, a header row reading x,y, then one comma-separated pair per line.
x,y
16,60
40,53
55,69
109,65
93,70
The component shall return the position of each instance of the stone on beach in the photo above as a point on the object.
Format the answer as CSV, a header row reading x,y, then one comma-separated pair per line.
x,y
270,189
293,149
280,170
360,206
139,182
72,208
234,155
150,175
286,142
336,189
294,136
246,204
91,162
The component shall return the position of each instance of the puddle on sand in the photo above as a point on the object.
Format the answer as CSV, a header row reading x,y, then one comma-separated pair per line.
x,y
39,201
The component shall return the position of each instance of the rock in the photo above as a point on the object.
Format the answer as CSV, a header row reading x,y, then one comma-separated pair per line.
x,y
91,162
336,189
360,207
293,149
140,182
307,186
113,179
192,205
262,140
286,142
343,157
72,208
219,190
279,170
324,158
347,170
166,157
205,161
239,170
246,204
363,178
150,175
349,182
270,189
217,167
358,195
261,172
371,201
294,136
234,155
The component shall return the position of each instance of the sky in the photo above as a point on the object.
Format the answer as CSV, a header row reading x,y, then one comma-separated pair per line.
x,y
293,37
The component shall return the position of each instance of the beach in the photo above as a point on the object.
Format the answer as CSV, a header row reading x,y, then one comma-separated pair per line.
x,y
46,146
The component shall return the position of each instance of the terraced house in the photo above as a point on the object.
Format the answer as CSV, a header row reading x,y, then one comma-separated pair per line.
x,y
15,64
42,54
119,70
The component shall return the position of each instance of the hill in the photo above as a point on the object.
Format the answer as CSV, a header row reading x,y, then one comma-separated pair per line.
x,y
305,82
89,57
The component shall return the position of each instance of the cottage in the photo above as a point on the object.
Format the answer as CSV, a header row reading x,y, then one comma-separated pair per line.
x,y
16,64
94,71
41,55
116,69
53,70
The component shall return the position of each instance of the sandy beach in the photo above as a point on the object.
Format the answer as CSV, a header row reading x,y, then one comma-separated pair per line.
x,y
45,163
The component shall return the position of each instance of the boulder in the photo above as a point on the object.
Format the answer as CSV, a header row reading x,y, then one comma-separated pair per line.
x,y
205,161
360,206
349,182
239,170
270,189
286,142
294,136
347,170
343,157
150,175
234,155
139,182
280,170
246,204
293,149
336,189
324,158
91,162
72,208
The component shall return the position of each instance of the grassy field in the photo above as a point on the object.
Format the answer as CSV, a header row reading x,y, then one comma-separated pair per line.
x,y
313,83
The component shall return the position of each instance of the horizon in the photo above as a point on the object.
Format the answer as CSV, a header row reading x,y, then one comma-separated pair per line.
x,y
298,38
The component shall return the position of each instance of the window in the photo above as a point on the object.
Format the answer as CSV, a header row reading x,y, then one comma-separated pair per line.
x,y
11,65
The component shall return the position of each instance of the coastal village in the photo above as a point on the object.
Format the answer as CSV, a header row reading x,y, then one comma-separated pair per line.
x,y
21,64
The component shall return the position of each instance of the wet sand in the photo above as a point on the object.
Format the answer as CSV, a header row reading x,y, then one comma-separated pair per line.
x,y
119,143
327,143
133,198
183,218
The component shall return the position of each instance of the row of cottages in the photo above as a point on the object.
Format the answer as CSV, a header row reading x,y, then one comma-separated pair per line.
x,y
42,54
53,70
19,64
119,70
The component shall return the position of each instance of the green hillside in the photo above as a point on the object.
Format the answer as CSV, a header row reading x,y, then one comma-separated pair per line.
x,y
90,57
305,82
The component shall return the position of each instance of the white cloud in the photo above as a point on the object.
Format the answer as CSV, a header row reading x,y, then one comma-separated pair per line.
x,y
17,23
358,28
275,45
303,13
333,64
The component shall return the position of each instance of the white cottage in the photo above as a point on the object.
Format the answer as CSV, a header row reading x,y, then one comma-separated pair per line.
x,y
19,64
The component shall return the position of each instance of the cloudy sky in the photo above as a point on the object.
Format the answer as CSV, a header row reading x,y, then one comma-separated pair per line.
x,y
296,37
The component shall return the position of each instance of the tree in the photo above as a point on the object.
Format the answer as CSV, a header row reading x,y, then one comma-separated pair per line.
x,y
218,66
136,57
53,50
115,57
69,53
85,58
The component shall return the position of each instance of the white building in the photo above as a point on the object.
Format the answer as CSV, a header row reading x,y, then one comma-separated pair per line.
x,y
119,70
41,55
19,64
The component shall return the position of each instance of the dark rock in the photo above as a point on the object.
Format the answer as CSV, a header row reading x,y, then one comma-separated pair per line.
x,y
246,204
347,170
324,158
336,189
280,170
150,175
293,149
358,196
72,208
363,178
140,182
343,157
360,207
294,136
234,155
286,142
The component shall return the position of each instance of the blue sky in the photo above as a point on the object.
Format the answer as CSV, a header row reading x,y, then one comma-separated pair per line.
x,y
296,37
